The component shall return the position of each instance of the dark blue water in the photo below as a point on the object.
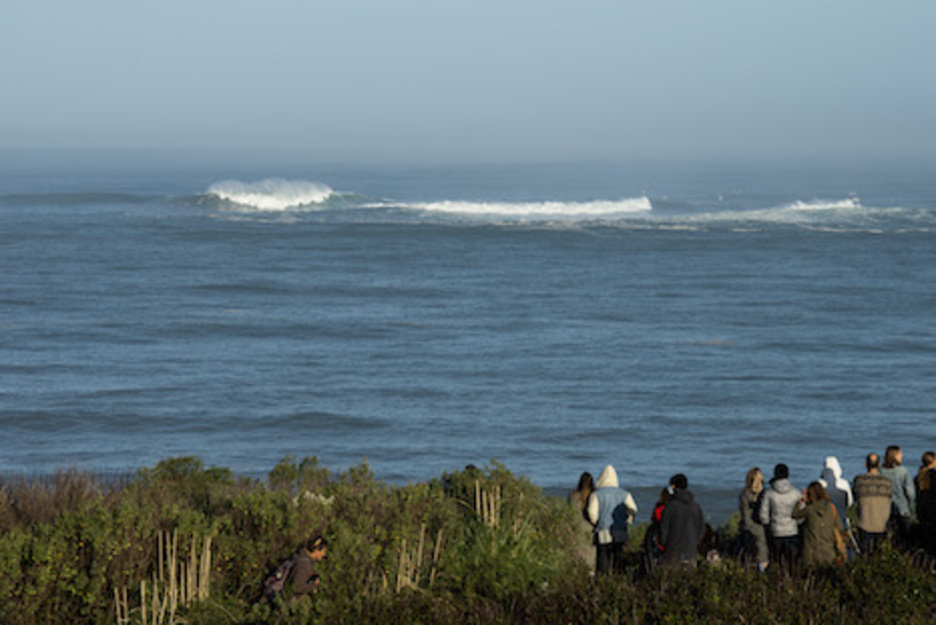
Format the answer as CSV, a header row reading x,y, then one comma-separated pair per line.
x,y
659,317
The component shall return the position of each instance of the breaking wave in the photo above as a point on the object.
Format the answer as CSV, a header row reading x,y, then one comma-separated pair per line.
x,y
575,210
817,205
272,194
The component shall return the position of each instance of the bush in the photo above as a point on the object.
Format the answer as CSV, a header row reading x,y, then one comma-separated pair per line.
x,y
480,545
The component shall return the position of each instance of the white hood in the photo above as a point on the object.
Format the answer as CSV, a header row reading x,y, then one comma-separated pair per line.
x,y
832,470
608,477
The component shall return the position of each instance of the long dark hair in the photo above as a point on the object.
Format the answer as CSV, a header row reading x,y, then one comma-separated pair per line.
x,y
586,483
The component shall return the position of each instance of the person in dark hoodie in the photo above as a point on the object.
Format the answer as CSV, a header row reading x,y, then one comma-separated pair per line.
x,y
777,514
682,526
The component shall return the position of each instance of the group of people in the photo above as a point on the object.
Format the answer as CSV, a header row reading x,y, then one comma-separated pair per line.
x,y
781,526
608,511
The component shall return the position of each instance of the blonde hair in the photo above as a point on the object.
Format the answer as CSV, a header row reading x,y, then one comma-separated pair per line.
x,y
754,481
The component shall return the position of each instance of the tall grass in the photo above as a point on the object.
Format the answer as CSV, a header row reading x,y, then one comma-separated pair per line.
x,y
181,542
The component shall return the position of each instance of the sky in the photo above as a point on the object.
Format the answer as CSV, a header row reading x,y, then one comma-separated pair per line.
x,y
476,80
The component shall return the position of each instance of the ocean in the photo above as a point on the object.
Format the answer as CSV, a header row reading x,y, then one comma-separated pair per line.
x,y
661,317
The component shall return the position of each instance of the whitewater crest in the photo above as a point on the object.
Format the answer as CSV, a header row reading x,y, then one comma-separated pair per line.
x,y
578,210
816,205
272,194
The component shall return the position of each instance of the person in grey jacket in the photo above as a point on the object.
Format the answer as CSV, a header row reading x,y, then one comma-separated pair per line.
x,y
776,512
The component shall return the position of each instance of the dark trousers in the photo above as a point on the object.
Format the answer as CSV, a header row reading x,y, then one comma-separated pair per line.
x,y
608,559
869,541
783,553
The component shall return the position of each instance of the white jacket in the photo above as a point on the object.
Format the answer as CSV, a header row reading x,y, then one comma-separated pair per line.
x,y
838,488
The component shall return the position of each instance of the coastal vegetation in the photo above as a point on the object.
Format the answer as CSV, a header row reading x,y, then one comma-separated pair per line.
x,y
185,543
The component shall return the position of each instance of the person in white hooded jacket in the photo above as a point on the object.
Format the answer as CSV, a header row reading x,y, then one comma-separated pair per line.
x,y
611,509
838,488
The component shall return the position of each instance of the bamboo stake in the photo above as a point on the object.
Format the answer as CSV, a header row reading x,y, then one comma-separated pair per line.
x,y
435,557
419,553
205,584
400,571
143,600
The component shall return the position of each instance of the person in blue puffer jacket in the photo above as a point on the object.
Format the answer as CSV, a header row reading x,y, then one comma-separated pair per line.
x,y
611,509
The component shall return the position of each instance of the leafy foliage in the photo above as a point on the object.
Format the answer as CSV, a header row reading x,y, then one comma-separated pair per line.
x,y
479,545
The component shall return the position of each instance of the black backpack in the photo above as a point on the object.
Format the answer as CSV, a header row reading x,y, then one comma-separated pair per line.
x,y
274,584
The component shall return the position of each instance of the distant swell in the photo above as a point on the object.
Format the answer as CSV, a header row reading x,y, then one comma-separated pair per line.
x,y
272,194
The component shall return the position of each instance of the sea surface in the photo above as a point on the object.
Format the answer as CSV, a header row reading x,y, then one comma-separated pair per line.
x,y
661,317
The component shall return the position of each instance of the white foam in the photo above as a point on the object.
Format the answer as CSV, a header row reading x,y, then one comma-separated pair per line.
x,y
577,210
272,194
818,205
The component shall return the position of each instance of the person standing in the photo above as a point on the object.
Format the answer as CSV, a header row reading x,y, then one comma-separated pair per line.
x,y
926,501
753,534
836,487
904,493
874,494
776,512
578,499
683,525
821,521
611,510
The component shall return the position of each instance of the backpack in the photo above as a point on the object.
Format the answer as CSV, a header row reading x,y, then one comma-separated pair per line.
x,y
274,584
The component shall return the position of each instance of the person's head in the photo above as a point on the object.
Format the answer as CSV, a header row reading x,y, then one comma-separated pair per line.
x,y
873,462
781,472
928,460
317,547
815,492
679,482
893,457
924,479
754,482
586,483
664,496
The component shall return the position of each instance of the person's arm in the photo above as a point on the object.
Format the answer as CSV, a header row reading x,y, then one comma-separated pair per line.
x,y
665,527
910,489
592,509
631,506
764,512
799,512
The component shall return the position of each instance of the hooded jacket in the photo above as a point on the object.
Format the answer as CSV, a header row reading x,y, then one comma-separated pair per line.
x,y
839,490
611,509
777,508
820,520
682,529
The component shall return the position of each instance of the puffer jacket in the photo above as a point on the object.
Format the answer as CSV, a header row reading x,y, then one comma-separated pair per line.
x,y
610,508
777,508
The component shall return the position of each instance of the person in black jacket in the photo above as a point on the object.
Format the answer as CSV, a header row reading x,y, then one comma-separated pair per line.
x,y
683,525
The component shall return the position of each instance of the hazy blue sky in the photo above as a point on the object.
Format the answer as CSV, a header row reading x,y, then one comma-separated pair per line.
x,y
514,79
